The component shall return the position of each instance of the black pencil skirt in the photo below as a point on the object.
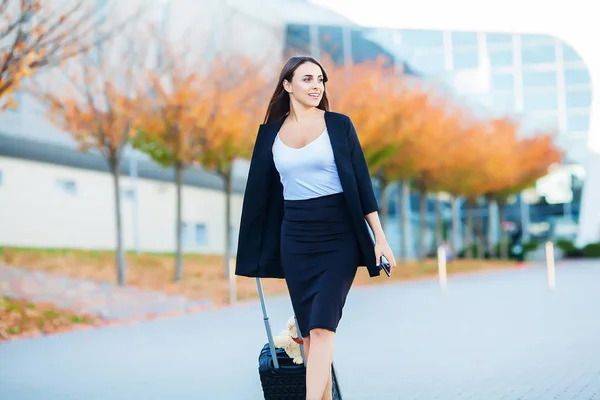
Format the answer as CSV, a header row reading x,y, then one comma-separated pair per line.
x,y
320,256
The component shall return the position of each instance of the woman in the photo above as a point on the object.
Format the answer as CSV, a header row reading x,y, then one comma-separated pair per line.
x,y
303,219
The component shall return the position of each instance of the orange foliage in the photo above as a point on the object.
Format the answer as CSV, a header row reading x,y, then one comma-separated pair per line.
x,y
103,129
432,133
532,159
39,33
205,113
411,133
98,103
404,129
368,94
489,158
238,97
172,129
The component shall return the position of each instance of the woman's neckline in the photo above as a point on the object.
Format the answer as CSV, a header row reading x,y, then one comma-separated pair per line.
x,y
303,147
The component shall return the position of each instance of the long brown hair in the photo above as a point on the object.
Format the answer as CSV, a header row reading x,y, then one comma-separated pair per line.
x,y
279,106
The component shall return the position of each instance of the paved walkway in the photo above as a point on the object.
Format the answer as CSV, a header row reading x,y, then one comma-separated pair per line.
x,y
500,335
106,299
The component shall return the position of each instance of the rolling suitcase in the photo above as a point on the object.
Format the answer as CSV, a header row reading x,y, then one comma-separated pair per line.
x,y
280,378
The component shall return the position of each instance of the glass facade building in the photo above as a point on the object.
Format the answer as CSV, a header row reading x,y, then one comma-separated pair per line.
x,y
538,79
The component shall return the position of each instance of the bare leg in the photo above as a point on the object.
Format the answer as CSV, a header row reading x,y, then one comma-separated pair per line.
x,y
328,390
306,347
328,394
318,368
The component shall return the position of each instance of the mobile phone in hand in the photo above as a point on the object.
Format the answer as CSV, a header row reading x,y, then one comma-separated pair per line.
x,y
385,265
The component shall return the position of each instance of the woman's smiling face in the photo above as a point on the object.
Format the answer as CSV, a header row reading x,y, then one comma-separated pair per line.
x,y
307,86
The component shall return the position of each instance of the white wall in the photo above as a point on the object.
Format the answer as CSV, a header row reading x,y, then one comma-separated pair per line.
x,y
35,211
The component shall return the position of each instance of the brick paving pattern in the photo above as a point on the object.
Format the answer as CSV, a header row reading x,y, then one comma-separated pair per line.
x,y
106,299
492,336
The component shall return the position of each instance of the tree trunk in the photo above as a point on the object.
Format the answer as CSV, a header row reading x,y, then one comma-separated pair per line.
x,y
404,220
469,230
456,221
228,188
178,234
480,236
423,220
503,236
492,228
383,208
120,253
439,234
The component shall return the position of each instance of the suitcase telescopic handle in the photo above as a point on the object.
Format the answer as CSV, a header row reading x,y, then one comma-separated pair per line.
x,y
267,325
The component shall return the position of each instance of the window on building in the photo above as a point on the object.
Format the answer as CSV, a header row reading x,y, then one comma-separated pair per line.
x,y
577,76
578,98
185,237
428,63
539,79
465,59
569,53
67,186
331,42
297,39
538,55
498,39
536,100
201,235
422,38
460,39
578,123
500,58
532,40
503,81
364,49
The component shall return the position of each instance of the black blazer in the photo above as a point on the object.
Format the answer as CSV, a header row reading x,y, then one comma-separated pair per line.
x,y
262,211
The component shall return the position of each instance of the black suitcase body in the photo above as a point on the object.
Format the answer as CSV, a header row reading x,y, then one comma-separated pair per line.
x,y
281,378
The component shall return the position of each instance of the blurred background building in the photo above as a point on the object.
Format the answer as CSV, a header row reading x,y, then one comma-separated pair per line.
x,y
51,195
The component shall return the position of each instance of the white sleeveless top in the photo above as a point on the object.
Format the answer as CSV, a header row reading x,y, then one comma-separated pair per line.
x,y
309,171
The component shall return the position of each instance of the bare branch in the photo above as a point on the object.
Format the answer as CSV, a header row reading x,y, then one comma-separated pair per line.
x,y
41,34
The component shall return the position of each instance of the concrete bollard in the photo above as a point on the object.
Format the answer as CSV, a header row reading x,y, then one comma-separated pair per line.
x,y
550,267
442,273
232,282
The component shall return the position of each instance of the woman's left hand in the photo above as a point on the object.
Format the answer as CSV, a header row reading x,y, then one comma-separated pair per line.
x,y
383,249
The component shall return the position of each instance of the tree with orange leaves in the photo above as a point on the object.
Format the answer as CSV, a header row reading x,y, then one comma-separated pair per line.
x,y
173,129
498,170
203,112
424,129
459,172
370,94
438,131
365,92
36,34
402,127
489,160
236,94
409,119
99,101
527,161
